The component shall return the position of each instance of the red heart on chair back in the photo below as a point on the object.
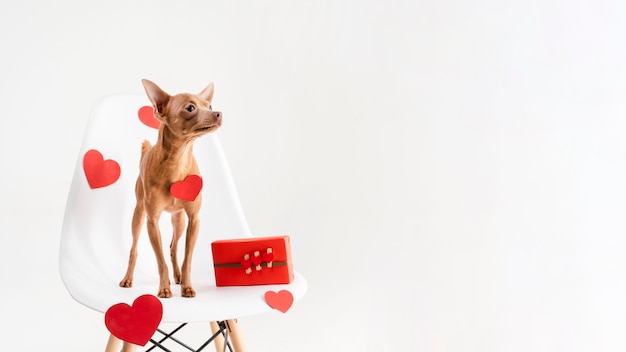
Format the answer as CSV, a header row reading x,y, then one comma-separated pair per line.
x,y
146,115
137,323
187,189
100,172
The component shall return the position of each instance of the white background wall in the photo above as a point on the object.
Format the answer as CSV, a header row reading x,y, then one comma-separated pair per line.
x,y
452,173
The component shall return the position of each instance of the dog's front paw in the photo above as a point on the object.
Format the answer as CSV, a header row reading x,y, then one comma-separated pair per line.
x,y
165,293
187,292
126,283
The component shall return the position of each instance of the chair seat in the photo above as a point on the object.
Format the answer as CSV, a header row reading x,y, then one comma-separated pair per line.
x,y
96,235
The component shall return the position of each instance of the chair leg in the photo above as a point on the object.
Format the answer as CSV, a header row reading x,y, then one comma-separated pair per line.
x,y
219,340
129,347
113,344
235,335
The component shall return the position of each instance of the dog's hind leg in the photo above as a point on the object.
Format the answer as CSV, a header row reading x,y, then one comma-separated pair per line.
x,y
138,217
178,225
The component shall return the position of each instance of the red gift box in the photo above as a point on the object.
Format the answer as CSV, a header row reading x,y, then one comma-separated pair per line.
x,y
252,261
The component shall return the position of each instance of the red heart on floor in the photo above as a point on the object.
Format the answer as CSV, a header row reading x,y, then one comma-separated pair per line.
x,y
137,323
187,189
146,115
100,172
281,300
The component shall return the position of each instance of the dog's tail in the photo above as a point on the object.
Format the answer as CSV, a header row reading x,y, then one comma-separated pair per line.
x,y
144,147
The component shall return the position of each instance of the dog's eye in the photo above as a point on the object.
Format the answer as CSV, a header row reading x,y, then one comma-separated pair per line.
x,y
190,108
211,107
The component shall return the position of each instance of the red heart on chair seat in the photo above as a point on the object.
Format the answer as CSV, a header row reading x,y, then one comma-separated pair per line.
x,y
281,300
187,189
137,323
100,172
146,115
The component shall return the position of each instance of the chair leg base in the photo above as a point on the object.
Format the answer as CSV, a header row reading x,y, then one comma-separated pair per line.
x,y
223,333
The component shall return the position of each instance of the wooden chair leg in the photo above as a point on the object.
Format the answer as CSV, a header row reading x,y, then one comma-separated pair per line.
x,y
235,336
219,340
113,345
129,347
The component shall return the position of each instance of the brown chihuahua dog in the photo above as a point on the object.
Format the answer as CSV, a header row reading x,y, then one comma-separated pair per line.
x,y
183,117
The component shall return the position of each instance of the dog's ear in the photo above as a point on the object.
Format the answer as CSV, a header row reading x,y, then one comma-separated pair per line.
x,y
207,93
157,96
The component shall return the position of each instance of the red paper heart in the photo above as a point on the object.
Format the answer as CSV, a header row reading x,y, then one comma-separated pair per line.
x,y
100,172
268,257
187,189
281,301
146,115
256,259
246,263
137,323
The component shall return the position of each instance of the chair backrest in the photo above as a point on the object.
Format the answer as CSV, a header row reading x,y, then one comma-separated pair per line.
x,y
96,235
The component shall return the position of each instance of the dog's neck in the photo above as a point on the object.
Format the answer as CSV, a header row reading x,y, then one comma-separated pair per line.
x,y
172,148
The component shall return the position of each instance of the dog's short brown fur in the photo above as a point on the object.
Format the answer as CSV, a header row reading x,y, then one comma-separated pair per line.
x,y
183,117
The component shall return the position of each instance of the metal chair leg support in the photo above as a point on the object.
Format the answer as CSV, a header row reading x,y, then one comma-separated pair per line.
x,y
166,336
223,333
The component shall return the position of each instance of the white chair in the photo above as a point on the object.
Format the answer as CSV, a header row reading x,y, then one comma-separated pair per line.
x,y
96,235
